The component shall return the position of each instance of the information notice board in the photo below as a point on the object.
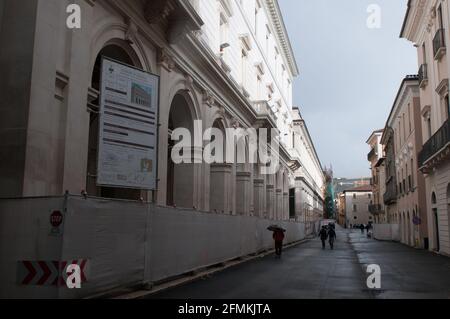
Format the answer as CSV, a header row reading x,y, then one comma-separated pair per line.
x,y
128,130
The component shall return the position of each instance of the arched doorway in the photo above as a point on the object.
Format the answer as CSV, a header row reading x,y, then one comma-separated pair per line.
x,y
180,176
435,216
120,51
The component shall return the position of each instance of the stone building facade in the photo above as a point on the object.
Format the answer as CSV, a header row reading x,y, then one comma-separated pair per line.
x,y
226,63
378,180
427,25
406,200
357,201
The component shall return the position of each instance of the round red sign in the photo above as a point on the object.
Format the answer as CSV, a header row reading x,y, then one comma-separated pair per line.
x,y
56,218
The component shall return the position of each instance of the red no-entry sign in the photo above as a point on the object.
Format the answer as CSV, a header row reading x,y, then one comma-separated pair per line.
x,y
56,218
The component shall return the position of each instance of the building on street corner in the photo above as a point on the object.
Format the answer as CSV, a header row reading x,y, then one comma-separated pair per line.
x,y
427,26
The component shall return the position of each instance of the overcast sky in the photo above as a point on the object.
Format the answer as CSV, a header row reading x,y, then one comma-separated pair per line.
x,y
349,74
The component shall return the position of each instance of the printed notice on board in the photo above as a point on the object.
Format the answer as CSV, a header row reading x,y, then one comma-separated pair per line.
x,y
128,129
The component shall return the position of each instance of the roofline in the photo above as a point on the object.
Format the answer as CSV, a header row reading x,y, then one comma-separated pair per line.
x,y
309,137
408,78
275,11
405,19
374,133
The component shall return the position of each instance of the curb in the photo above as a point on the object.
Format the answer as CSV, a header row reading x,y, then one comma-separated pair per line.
x,y
139,294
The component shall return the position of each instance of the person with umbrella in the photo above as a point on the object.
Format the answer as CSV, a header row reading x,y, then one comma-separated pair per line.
x,y
278,237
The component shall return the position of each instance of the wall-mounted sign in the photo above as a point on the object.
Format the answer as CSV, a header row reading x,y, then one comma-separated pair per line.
x,y
128,131
417,221
56,220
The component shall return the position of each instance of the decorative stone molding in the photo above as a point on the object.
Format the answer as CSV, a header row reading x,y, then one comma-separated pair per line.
x,y
235,123
158,10
442,88
227,7
246,42
208,98
132,32
222,112
426,112
189,82
165,60
260,68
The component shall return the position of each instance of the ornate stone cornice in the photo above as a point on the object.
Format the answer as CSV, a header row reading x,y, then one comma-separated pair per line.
x,y
419,18
277,22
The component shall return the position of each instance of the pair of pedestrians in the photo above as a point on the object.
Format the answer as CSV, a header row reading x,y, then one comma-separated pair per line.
x,y
329,234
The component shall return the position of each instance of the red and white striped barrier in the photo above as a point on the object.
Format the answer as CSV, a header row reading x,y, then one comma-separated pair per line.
x,y
48,273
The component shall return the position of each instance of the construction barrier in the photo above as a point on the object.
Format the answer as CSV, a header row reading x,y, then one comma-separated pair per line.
x,y
387,232
117,244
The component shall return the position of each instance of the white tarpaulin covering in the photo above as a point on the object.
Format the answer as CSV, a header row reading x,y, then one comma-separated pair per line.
x,y
26,235
126,243
389,232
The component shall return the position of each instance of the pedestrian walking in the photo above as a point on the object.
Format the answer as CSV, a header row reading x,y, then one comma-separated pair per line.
x,y
362,228
278,237
331,237
323,234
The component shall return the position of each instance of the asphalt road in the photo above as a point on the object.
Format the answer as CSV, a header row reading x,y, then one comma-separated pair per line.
x,y
306,271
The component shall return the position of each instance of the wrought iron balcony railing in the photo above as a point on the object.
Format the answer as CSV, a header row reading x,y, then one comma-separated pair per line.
x,y
435,144
423,75
439,47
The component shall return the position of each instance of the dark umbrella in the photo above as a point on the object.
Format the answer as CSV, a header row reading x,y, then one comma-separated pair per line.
x,y
276,228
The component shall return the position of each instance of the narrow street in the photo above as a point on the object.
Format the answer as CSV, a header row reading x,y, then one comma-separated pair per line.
x,y
306,271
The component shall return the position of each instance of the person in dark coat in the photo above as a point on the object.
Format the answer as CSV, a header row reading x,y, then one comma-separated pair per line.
x,y
323,234
362,228
278,237
331,237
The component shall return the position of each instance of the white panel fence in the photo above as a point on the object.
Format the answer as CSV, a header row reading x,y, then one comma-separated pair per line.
x,y
387,232
126,243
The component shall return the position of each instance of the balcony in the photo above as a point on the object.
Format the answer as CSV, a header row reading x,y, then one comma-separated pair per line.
x,y
439,48
390,197
371,154
423,76
436,150
265,117
376,209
